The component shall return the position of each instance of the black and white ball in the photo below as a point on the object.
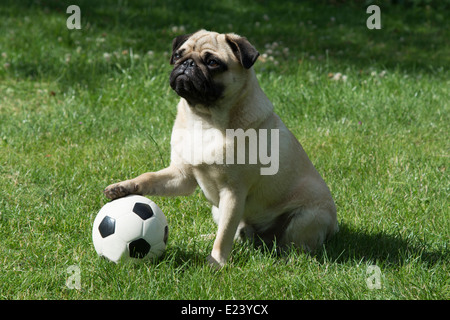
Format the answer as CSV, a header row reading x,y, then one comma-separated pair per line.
x,y
130,228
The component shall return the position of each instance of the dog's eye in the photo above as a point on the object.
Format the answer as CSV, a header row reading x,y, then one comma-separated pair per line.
x,y
176,56
212,63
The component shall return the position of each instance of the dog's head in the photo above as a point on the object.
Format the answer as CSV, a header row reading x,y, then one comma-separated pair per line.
x,y
209,66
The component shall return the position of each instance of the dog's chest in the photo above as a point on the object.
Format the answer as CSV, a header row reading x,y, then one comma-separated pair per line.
x,y
211,181
198,144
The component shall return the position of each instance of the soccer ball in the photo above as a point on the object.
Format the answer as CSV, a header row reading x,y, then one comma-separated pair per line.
x,y
130,228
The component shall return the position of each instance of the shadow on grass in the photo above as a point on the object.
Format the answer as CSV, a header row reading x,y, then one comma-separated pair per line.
x,y
182,258
347,246
350,246
379,248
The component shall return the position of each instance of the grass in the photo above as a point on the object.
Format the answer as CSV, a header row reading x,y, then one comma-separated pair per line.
x,y
80,109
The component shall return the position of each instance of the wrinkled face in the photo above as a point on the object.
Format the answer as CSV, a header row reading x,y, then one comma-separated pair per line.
x,y
203,65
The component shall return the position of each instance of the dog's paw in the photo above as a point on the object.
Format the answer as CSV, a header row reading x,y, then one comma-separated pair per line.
x,y
214,263
121,189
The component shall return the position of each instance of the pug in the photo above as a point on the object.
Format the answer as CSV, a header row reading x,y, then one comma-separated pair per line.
x,y
227,140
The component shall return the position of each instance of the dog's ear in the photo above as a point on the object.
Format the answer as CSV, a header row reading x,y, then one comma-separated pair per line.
x,y
243,50
176,43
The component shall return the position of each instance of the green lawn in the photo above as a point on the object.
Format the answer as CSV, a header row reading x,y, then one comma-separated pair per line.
x,y
80,109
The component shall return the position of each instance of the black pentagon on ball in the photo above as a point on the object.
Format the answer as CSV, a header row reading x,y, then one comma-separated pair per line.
x,y
139,248
107,226
143,210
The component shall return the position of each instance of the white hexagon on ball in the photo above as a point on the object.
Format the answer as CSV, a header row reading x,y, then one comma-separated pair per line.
x,y
130,228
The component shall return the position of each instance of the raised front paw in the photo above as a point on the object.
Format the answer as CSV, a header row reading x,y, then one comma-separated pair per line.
x,y
121,189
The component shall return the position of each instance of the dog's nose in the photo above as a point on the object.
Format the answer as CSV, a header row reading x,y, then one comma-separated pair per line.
x,y
189,63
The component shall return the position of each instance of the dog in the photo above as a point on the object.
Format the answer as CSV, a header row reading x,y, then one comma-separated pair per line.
x,y
223,118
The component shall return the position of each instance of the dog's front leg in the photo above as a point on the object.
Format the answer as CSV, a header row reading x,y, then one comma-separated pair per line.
x,y
231,210
171,181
